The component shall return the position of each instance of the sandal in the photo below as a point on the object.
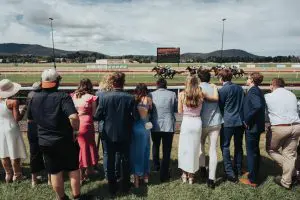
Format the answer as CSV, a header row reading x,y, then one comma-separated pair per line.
x,y
18,177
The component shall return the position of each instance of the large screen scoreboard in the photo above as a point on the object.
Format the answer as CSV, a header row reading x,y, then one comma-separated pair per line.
x,y
168,55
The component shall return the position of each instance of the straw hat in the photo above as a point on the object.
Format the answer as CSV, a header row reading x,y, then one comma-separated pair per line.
x,y
8,88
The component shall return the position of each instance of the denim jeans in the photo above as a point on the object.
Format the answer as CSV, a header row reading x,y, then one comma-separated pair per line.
x,y
117,160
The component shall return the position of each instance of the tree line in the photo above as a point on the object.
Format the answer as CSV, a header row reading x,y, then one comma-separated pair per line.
x,y
87,57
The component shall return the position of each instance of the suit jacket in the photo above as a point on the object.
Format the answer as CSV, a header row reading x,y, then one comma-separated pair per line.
x,y
254,110
163,112
116,110
231,98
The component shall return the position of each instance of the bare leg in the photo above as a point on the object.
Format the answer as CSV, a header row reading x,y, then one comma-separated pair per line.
x,y
49,180
16,165
136,181
75,182
34,180
57,182
8,170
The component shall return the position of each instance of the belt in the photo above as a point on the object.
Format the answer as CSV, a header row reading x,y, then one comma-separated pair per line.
x,y
292,124
191,115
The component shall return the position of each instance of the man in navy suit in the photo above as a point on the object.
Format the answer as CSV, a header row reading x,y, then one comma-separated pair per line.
x,y
231,98
116,110
254,121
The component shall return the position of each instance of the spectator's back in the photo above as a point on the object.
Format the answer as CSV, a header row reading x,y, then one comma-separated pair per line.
x,y
164,108
231,102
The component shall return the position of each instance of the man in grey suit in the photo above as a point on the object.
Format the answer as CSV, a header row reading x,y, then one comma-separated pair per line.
x,y
163,120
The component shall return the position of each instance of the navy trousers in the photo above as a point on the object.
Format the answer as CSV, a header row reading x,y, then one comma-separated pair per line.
x,y
226,134
123,148
253,154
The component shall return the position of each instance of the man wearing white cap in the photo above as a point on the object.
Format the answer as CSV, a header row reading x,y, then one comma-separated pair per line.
x,y
56,117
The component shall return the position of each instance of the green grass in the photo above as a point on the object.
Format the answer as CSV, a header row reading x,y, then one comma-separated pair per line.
x,y
137,78
171,190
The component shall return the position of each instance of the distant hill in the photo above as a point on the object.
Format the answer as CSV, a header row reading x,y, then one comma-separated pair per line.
x,y
35,50
38,50
226,54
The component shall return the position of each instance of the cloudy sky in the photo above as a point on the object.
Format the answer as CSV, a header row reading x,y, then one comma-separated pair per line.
x,y
117,27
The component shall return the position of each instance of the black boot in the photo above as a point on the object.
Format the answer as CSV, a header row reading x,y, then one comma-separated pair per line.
x,y
203,172
211,184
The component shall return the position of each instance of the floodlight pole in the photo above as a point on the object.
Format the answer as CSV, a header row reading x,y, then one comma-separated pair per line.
x,y
51,19
222,40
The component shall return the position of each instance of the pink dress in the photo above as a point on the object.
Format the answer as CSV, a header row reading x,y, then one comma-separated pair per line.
x,y
88,155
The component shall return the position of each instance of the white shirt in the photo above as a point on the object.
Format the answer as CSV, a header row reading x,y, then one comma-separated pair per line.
x,y
282,107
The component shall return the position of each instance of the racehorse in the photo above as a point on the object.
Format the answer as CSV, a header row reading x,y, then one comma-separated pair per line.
x,y
171,73
159,71
237,73
194,70
216,70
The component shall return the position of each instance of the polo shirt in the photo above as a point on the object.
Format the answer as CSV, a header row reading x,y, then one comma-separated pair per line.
x,y
282,107
51,109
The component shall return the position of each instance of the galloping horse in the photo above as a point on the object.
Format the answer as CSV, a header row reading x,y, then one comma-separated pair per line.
x,y
159,71
216,70
237,73
171,73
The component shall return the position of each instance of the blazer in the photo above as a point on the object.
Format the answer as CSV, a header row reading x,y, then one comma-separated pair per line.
x,y
163,110
254,110
116,110
231,98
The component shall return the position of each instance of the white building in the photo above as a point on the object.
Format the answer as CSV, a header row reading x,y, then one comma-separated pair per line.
x,y
109,64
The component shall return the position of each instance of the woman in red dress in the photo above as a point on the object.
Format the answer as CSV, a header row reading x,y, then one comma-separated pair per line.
x,y
85,103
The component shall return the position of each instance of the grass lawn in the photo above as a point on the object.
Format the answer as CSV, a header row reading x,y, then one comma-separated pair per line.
x,y
137,78
171,190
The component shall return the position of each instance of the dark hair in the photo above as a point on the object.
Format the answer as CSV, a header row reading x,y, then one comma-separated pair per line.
x,y
161,83
118,79
85,87
140,91
257,78
204,76
278,82
225,75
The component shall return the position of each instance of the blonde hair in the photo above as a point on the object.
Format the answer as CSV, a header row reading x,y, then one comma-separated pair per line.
x,y
106,83
193,95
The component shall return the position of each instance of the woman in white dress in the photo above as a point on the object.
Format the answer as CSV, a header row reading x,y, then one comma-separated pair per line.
x,y
190,104
12,147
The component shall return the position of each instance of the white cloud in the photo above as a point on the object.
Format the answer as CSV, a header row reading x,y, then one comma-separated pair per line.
x,y
269,27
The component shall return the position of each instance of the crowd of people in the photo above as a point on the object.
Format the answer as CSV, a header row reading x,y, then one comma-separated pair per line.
x,y
61,130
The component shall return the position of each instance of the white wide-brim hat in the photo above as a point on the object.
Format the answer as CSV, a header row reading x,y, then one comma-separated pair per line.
x,y
8,88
